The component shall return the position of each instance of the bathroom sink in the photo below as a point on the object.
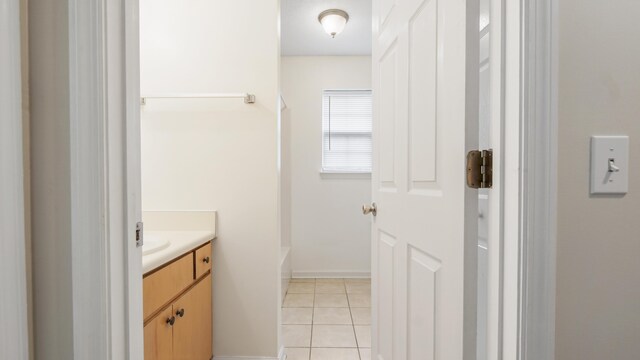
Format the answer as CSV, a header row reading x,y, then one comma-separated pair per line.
x,y
153,244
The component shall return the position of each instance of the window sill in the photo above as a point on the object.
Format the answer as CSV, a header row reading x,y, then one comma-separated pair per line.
x,y
344,175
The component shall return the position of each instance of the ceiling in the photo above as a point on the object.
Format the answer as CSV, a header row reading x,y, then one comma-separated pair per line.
x,y
302,34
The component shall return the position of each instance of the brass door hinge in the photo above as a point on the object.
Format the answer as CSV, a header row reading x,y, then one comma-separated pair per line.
x,y
480,169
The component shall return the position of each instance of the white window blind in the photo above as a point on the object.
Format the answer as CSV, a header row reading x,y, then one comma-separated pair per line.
x,y
347,120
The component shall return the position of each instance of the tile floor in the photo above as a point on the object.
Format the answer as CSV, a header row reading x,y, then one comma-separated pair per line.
x,y
327,319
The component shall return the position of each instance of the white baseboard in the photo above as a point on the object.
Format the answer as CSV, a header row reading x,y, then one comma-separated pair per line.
x,y
246,358
331,274
281,356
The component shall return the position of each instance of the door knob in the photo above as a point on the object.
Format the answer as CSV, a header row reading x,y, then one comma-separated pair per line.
x,y
171,321
370,209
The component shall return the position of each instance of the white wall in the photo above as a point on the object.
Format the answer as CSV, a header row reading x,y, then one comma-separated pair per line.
x,y
219,154
329,234
598,264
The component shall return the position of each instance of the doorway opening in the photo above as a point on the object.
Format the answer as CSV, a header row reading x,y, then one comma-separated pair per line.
x,y
326,157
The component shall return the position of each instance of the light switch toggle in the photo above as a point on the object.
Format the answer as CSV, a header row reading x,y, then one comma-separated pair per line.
x,y
612,166
609,164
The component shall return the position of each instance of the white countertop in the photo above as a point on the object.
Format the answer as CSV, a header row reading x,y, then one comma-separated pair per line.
x,y
180,242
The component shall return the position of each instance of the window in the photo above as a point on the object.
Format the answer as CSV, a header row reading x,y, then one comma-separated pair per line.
x,y
347,119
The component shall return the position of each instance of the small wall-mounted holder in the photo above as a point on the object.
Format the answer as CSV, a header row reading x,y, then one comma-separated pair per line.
x,y
609,164
248,98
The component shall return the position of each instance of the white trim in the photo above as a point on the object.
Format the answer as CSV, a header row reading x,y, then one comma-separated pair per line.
x,y
330,175
250,357
87,150
133,191
282,355
14,339
512,174
497,203
331,274
539,183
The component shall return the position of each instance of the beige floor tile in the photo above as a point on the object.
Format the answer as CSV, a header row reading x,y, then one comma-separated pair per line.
x,y
361,316
335,336
332,316
358,288
363,333
359,300
334,354
329,281
297,353
329,288
365,354
301,288
331,300
298,300
296,335
297,316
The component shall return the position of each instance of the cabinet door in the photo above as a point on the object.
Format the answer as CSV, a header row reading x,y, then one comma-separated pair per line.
x,y
158,337
192,332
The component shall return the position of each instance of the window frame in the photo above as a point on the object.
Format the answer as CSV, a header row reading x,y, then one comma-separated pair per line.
x,y
351,173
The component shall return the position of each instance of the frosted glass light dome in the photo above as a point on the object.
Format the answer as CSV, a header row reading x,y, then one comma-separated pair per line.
x,y
333,21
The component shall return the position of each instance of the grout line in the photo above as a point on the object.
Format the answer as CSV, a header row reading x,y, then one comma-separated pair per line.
x,y
352,321
313,314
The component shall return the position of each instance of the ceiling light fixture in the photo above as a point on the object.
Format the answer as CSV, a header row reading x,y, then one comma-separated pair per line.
x,y
333,21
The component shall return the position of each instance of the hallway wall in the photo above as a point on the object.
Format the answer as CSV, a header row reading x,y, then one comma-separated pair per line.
x,y
598,288
329,234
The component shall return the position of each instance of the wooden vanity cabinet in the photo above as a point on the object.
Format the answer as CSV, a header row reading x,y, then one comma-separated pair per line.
x,y
181,327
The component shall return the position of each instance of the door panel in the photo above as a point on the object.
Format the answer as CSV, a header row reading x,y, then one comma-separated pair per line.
x,y
422,304
422,92
425,233
385,10
387,270
388,97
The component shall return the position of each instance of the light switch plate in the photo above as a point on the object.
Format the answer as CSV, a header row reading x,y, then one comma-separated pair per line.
x,y
609,164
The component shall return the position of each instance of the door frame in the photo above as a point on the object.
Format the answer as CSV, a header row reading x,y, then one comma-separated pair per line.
x,y
527,320
14,326
538,183
527,330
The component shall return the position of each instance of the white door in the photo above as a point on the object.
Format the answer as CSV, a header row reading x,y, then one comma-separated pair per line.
x,y
425,73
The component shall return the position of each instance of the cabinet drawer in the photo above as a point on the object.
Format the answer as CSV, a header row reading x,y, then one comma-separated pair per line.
x,y
203,260
164,284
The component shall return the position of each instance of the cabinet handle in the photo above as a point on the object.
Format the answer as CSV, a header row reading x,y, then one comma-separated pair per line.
x,y
171,320
180,313
206,260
